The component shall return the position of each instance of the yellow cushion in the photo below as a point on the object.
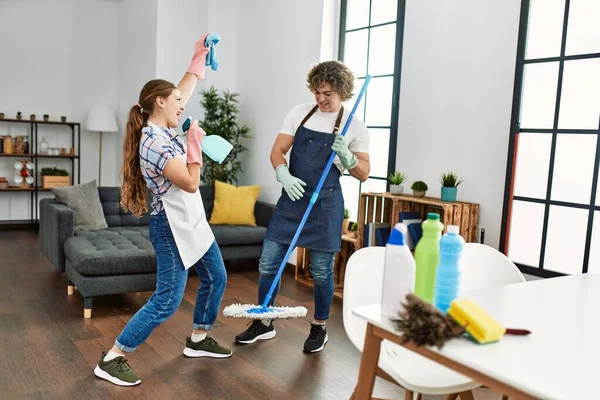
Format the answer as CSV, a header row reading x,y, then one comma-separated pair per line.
x,y
234,205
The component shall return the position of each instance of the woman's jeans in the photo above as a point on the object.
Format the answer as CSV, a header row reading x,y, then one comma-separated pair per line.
x,y
321,269
170,285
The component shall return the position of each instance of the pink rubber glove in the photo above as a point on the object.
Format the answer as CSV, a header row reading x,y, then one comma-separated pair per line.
x,y
195,136
197,65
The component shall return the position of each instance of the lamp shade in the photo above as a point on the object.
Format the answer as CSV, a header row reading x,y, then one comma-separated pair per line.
x,y
101,119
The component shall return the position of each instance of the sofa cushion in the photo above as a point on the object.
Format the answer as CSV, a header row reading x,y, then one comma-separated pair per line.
x,y
238,235
234,205
117,230
110,253
110,197
84,200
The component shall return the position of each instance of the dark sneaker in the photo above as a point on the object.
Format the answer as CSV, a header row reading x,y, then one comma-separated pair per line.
x,y
256,331
206,348
316,339
116,371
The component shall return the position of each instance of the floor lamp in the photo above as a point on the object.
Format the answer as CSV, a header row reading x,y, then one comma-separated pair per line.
x,y
101,119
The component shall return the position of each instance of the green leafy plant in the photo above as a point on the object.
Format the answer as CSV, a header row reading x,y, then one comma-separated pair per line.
x,y
353,226
419,186
450,179
54,171
220,111
398,178
346,213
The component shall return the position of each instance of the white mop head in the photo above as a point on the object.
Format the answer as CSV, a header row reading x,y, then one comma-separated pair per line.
x,y
241,311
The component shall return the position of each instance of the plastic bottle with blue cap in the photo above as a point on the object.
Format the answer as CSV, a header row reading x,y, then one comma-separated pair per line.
x,y
447,280
398,274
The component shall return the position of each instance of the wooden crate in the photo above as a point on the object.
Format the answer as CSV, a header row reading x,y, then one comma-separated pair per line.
x,y
52,181
303,275
386,207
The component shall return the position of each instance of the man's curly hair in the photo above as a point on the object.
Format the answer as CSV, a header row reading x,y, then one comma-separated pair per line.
x,y
336,74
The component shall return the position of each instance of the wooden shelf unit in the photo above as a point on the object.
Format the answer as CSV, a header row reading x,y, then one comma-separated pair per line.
x,y
386,207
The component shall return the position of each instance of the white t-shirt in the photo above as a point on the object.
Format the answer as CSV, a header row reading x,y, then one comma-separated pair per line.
x,y
357,135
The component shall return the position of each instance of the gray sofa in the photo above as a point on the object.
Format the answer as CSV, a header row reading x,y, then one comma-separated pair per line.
x,y
120,259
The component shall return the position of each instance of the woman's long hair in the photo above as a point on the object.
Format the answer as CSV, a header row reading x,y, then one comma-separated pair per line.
x,y
133,189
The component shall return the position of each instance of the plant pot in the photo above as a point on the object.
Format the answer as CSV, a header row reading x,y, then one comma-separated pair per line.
x,y
449,194
419,193
345,228
46,117
397,189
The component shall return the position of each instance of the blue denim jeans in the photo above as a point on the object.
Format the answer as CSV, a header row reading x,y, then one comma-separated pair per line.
x,y
170,285
321,269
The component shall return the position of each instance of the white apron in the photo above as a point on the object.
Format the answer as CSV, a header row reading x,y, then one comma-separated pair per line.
x,y
187,219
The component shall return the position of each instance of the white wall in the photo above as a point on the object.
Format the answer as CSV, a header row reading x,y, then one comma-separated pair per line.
x,y
59,58
456,97
270,81
136,60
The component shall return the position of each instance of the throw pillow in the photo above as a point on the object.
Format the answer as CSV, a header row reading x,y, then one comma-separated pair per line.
x,y
85,202
234,205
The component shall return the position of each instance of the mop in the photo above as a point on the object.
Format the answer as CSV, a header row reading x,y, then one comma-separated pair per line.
x,y
252,311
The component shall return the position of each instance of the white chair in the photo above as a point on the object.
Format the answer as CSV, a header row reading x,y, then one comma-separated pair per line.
x,y
417,374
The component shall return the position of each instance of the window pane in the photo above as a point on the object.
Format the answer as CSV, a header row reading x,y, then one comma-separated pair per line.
x,y
583,30
350,188
565,243
544,32
525,240
580,97
355,52
533,160
379,145
379,102
574,168
539,95
382,50
594,262
373,185
383,11
357,14
349,104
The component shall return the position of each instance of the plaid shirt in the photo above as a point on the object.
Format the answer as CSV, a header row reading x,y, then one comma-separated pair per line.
x,y
157,146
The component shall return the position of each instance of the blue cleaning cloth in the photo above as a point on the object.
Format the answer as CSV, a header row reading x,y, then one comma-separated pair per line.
x,y
211,59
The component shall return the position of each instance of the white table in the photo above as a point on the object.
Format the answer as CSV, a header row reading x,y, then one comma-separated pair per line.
x,y
560,359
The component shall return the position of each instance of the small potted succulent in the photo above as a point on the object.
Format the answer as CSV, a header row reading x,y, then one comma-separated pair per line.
x,y
397,179
32,117
46,117
354,228
19,115
419,188
346,220
450,182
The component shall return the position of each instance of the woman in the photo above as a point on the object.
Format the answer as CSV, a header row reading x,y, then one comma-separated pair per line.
x,y
157,158
313,130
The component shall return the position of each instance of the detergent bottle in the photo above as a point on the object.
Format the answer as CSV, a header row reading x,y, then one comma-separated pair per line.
x,y
447,279
427,257
398,273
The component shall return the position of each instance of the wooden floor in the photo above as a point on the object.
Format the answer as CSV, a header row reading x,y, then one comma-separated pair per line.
x,y
47,350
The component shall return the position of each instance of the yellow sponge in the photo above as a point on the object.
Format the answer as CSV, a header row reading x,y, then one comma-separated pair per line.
x,y
479,324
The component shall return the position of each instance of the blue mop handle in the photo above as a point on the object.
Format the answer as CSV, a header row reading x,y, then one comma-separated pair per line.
x,y
315,195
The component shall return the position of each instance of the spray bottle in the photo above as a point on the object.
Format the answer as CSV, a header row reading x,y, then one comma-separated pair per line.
x,y
398,274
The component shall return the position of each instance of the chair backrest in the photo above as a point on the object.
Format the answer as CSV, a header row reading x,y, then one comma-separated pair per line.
x,y
483,266
363,282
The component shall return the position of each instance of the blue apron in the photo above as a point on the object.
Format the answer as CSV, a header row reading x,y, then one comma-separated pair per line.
x,y
308,159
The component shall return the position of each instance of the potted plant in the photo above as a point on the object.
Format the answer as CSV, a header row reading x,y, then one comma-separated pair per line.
x,y
450,182
397,179
220,118
346,220
354,228
55,177
419,188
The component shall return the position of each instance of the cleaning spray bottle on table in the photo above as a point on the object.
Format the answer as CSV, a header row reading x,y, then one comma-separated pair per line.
x,y
427,257
447,279
398,273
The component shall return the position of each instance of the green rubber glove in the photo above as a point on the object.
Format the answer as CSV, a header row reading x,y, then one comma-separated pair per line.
x,y
340,146
291,184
